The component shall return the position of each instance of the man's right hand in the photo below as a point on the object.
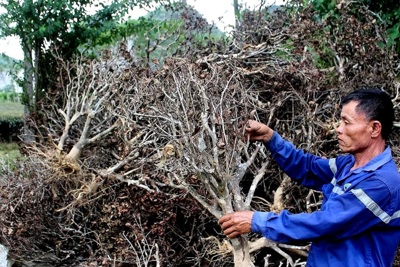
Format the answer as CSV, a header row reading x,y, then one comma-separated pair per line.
x,y
257,131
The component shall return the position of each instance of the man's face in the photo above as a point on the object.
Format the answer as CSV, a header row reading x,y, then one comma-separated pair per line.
x,y
354,131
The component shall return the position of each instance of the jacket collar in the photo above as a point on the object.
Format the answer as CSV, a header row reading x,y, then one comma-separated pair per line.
x,y
375,163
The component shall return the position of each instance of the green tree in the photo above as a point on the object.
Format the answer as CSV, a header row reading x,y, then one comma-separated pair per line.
x,y
390,13
388,10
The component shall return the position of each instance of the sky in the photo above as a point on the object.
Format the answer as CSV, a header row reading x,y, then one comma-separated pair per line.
x,y
218,11
221,11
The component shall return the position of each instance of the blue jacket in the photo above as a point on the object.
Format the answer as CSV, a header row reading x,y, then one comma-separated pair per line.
x,y
358,224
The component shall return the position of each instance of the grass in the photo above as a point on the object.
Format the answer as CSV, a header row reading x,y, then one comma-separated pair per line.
x,y
9,152
11,109
10,149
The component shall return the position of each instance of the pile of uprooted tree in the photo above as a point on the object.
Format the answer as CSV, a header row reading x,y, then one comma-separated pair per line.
x,y
133,167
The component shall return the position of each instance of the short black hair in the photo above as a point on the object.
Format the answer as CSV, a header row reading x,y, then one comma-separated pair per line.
x,y
375,104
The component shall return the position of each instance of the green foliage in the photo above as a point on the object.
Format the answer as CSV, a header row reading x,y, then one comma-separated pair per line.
x,y
388,11
324,7
393,20
66,23
9,95
394,36
121,31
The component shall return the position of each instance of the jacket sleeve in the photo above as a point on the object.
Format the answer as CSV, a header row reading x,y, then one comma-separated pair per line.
x,y
309,170
344,215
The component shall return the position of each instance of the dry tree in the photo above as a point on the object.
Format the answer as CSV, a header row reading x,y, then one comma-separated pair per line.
x,y
196,111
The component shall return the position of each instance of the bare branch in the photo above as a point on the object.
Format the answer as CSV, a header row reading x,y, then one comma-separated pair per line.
x,y
254,184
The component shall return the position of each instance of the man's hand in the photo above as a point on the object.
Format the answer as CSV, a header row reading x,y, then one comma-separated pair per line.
x,y
257,131
237,223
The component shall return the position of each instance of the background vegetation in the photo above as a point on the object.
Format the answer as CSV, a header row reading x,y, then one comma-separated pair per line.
x,y
11,109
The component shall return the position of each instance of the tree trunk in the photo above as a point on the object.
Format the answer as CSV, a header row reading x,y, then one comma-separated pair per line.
x,y
28,74
237,14
75,153
241,254
71,159
28,89
38,86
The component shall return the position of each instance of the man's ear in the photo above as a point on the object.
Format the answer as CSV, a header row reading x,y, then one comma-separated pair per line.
x,y
376,128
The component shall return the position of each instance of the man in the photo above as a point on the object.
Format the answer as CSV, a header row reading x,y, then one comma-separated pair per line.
x,y
359,221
